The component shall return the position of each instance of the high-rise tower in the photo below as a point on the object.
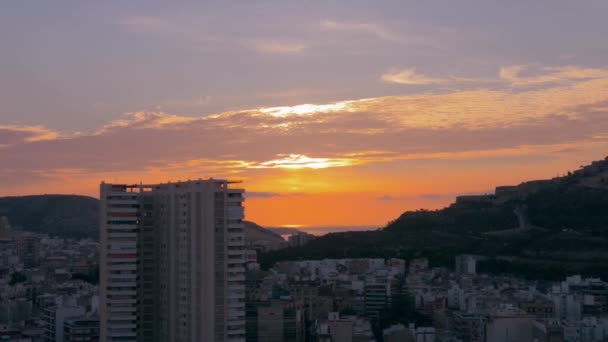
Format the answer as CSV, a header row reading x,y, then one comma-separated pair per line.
x,y
172,262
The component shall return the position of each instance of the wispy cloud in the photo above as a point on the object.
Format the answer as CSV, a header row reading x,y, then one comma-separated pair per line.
x,y
360,134
276,47
409,76
547,75
377,30
307,109
10,134
298,161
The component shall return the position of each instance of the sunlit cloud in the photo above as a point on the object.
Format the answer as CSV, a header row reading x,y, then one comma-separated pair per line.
x,y
10,134
546,75
411,77
297,161
149,120
309,147
307,109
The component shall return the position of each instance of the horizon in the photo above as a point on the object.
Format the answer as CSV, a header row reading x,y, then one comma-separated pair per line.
x,y
347,113
320,230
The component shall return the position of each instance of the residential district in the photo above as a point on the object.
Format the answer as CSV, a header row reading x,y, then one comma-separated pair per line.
x,y
48,293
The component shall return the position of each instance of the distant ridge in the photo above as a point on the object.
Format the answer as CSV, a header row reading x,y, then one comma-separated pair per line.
x,y
261,238
59,215
75,216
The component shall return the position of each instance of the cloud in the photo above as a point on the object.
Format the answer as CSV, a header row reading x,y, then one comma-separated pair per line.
x,y
375,30
512,74
370,135
411,77
306,109
547,75
11,134
276,47
297,161
254,194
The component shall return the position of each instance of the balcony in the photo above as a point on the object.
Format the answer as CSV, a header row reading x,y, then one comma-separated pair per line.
x,y
234,225
122,201
117,235
113,333
236,305
236,243
122,301
236,322
122,276
236,252
123,309
111,211
123,267
121,321
123,284
232,336
123,246
236,213
131,227
239,295
236,288
239,277
235,199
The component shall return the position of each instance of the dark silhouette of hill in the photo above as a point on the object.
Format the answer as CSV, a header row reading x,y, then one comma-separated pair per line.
x,y
539,229
57,215
73,216
258,237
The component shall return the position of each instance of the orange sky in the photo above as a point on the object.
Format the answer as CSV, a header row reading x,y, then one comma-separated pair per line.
x,y
352,162
331,112
356,162
360,195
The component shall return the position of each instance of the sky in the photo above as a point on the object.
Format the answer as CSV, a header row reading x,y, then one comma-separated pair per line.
x,y
332,113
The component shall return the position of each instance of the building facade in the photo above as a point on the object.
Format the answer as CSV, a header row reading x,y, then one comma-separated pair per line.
x,y
172,262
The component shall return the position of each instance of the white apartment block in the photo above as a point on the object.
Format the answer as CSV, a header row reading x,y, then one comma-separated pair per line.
x,y
172,262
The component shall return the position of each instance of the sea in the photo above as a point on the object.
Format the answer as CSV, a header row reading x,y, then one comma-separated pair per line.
x,y
285,232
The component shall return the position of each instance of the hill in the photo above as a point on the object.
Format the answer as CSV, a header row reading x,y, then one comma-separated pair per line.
x,y
58,215
541,228
262,238
73,216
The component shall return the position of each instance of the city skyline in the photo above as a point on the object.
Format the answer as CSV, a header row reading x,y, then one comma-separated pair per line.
x,y
331,115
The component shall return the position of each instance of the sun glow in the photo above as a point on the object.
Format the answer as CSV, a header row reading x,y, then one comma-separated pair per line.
x,y
306,109
291,226
299,161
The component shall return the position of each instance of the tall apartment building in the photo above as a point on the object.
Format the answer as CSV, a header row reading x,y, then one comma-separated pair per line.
x,y
172,262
